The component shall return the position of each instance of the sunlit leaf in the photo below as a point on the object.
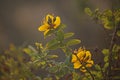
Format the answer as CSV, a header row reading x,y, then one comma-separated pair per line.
x,y
49,33
60,35
73,42
109,25
105,51
105,66
52,56
68,35
116,48
118,33
27,50
106,59
97,67
88,11
53,44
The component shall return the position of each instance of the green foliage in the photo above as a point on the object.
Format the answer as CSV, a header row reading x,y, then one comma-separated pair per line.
x,y
88,11
105,51
110,20
118,33
73,42
37,63
14,65
68,35
53,44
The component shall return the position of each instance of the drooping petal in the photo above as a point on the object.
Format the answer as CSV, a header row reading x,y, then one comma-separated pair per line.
x,y
57,22
88,54
89,63
43,27
74,58
46,32
77,65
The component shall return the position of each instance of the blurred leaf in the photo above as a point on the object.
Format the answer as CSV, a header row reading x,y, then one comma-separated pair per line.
x,y
97,67
109,25
61,27
108,13
52,56
53,44
105,51
75,76
116,48
105,66
48,78
106,59
116,77
60,35
97,75
48,33
88,11
27,50
118,33
68,35
73,42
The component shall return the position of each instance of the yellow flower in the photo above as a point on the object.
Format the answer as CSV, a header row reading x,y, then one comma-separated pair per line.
x,y
81,59
50,22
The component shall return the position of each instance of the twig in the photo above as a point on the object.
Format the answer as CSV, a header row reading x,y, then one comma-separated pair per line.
x,y
90,73
110,51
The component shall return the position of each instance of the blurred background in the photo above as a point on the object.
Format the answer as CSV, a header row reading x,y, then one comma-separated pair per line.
x,y
20,19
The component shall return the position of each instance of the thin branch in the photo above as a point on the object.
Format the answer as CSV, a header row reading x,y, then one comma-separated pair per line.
x,y
89,73
110,50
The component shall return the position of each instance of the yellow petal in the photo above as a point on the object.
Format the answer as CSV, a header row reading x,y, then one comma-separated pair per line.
x,y
88,56
81,54
57,22
43,27
83,69
46,32
89,63
77,65
49,16
74,58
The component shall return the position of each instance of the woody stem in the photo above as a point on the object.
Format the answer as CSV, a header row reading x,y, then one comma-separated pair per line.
x,y
89,73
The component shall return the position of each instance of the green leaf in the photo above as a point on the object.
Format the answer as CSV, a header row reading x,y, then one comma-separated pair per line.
x,y
105,66
105,51
60,35
48,78
68,35
49,32
73,42
108,25
118,33
106,59
116,48
97,67
61,27
52,56
88,11
76,76
53,44
108,13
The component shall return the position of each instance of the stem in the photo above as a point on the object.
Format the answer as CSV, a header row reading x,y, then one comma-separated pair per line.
x,y
89,73
68,76
104,77
110,50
